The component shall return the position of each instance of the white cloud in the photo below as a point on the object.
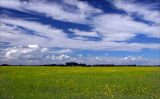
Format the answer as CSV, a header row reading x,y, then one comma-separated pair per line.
x,y
142,10
60,57
33,46
57,38
83,33
44,50
122,27
63,56
26,55
97,58
16,52
60,51
53,57
112,27
64,51
13,4
129,58
84,7
8,54
60,12
80,38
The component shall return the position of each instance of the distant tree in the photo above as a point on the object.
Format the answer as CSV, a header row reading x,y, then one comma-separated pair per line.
x,y
5,65
53,65
89,65
132,65
82,64
72,64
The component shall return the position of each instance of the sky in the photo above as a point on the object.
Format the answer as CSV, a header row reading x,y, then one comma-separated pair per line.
x,y
36,32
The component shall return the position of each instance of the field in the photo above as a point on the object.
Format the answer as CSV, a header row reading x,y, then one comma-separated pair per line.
x,y
37,82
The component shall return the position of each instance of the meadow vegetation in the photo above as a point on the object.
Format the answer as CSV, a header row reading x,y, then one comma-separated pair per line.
x,y
40,82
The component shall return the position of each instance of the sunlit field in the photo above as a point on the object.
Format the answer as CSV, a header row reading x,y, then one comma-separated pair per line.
x,y
39,82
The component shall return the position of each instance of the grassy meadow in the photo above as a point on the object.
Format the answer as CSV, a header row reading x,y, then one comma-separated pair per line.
x,y
37,82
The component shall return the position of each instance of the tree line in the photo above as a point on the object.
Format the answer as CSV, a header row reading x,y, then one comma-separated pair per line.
x,y
74,64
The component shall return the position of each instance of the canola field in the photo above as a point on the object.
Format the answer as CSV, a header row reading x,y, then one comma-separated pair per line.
x,y
40,82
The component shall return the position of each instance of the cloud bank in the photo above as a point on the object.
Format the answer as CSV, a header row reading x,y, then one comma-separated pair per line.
x,y
113,30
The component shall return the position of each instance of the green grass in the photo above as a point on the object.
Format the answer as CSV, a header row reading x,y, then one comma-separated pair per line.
x,y
38,82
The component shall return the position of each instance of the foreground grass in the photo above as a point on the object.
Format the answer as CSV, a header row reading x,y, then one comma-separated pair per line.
x,y
79,82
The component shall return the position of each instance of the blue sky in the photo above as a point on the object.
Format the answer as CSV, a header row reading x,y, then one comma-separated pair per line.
x,y
86,31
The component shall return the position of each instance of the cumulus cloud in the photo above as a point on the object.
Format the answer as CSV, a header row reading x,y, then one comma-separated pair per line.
x,y
129,58
61,57
97,58
53,57
139,60
44,50
62,51
15,52
26,55
8,54
33,46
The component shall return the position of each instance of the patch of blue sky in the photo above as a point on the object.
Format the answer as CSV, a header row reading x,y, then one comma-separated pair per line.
x,y
105,6
140,38
154,53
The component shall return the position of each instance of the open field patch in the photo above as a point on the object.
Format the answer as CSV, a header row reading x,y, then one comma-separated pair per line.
x,y
40,82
